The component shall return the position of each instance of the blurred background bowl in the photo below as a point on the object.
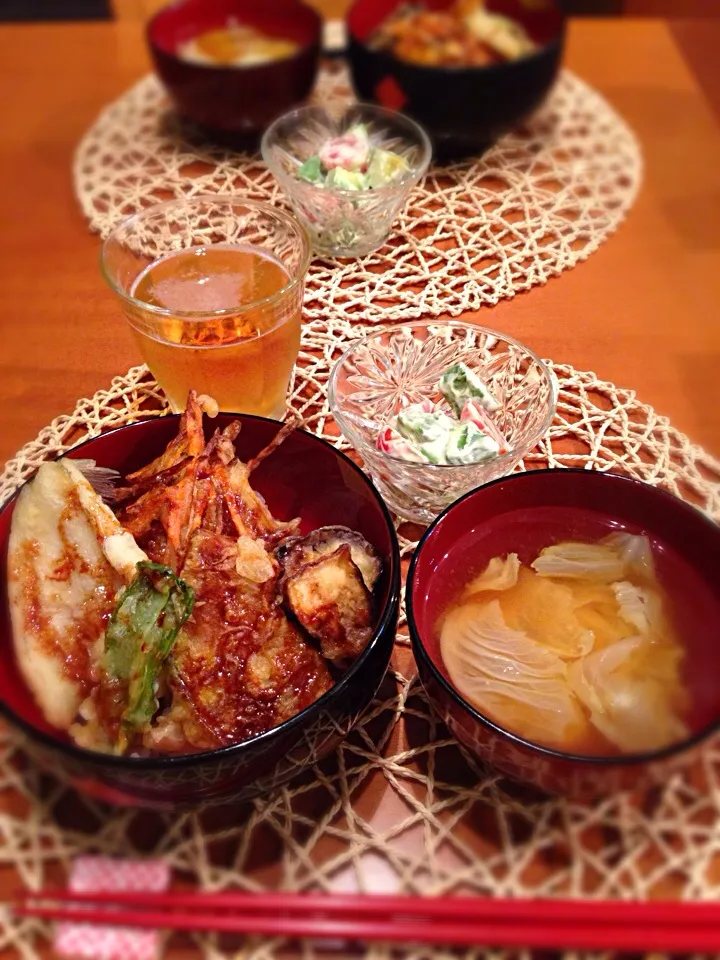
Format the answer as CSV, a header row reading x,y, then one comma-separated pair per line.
x,y
396,366
305,477
344,223
234,104
510,515
464,109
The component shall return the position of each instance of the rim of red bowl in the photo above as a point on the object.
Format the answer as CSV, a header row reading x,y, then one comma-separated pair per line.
x,y
419,651
151,27
223,753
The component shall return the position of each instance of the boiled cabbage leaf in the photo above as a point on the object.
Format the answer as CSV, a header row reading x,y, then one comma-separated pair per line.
x,y
639,606
477,633
518,683
635,553
546,611
597,610
500,574
546,713
631,707
580,561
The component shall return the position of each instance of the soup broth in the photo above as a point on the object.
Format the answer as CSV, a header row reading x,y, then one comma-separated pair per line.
x,y
236,45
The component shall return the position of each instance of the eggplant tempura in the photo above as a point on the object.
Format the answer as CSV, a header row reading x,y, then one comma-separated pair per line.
x,y
190,618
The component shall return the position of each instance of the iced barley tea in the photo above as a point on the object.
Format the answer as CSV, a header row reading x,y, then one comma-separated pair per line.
x,y
243,359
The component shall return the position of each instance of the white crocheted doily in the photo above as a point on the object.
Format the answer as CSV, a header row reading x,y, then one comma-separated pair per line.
x,y
540,201
444,824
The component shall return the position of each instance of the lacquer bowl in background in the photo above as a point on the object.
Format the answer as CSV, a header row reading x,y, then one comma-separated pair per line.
x,y
509,515
464,109
305,477
234,104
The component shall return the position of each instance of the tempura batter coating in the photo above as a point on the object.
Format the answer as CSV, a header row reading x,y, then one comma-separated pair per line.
x,y
239,661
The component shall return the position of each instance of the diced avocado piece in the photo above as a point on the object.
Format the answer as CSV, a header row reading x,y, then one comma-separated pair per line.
x,y
360,132
459,384
311,170
435,450
345,179
468,444
421,427
384,167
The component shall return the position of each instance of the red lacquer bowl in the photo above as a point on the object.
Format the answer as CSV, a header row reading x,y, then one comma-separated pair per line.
x,y
523,513
235,104
305,477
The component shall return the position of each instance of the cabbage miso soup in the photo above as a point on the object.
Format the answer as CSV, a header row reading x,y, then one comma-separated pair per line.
x,y
573,645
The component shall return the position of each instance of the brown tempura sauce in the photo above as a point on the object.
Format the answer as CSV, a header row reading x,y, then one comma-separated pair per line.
x,y
74,652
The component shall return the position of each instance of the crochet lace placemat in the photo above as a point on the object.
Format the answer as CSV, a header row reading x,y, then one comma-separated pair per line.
x,y
540,201
398,807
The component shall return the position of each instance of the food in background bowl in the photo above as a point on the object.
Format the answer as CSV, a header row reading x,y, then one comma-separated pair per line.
x,y
351,162
595,672
464,106
232,66
236,45
189,619
465,35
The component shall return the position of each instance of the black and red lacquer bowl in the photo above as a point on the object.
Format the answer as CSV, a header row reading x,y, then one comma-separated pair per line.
x,y
235,104
305,477
464,109
523,513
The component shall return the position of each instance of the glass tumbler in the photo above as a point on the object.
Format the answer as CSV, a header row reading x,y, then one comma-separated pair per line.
x,y
212,287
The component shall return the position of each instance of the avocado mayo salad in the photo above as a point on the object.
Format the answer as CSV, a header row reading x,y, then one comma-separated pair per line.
x,y
351,162
424,433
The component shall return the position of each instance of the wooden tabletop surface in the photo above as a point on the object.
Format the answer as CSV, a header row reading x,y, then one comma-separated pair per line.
x,y
642,311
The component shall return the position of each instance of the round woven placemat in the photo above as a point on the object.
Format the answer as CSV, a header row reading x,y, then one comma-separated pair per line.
x,y
540,201
398,806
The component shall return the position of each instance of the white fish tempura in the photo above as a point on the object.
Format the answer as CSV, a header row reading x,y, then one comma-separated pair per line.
x,y
62,585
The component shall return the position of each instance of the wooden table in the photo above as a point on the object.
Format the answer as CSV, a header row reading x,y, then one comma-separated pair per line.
x,y
642,311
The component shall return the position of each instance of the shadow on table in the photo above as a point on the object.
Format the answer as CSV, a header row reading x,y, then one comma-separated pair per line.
x,y
222,844
184,134
676,122
24,10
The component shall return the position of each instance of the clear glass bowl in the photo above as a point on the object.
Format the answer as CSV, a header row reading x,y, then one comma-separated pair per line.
x,y
396,366
344,223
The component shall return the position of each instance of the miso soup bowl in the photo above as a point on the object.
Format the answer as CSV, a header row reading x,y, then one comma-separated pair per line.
x,y
506,516
234,104
305,477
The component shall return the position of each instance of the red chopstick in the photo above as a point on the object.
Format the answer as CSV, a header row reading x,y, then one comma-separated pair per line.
x,y
668,926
